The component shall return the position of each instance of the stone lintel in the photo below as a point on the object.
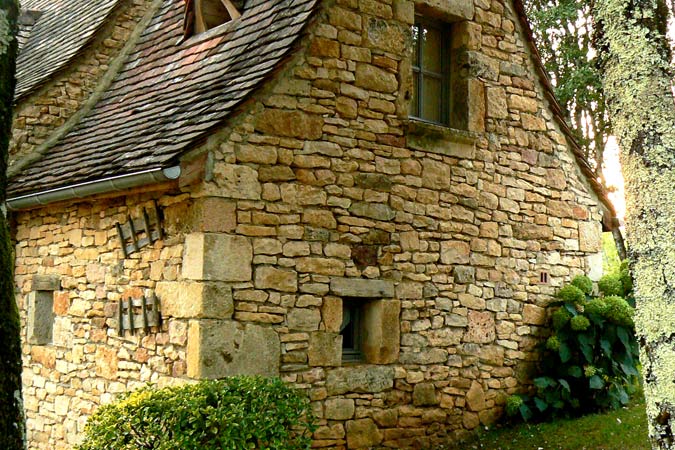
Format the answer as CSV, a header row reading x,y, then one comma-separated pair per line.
x,y
448,10
46,283
363,379
357,287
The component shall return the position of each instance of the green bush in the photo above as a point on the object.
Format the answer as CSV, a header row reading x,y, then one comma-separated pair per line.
x,y
583,283
590,361
611,285
233,413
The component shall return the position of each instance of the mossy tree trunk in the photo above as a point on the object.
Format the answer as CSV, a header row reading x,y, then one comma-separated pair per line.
x,y
638,92
11,409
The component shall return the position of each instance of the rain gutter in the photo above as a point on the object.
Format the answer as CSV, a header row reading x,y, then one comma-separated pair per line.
x,y
104,186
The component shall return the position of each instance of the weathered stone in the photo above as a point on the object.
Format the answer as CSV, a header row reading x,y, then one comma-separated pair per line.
x,y
464,274
217,257
496,103
534,315
290,123
590,237
220,348
362,433
267,277
331,313
455,252
527,231
358,287
425,356
106,362
376,79
367,379
381,320
481,327
386,35
424,394
323,266
237,181
435,175
304,319
377,211
186,299
339,409
475,397
325,349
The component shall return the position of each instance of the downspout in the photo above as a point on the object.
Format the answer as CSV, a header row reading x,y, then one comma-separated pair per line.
x,y
104,186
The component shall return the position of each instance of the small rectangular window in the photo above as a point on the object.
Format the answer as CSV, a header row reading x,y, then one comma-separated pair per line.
x,y
431,71
350,330
40,309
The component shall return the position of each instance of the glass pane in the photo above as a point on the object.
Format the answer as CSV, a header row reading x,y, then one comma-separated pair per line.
x,y
431,99
431,50
414,108
415,44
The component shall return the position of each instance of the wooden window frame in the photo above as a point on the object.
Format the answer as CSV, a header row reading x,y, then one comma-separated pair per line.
x,y
420,72
200,24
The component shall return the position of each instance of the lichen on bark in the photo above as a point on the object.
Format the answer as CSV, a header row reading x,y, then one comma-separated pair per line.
x,y
11,410
637,84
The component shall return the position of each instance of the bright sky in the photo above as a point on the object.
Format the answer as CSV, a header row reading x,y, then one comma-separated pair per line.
x,y
612,172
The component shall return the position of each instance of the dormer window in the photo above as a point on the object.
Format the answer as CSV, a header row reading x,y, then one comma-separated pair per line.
x,y
203,15
211,13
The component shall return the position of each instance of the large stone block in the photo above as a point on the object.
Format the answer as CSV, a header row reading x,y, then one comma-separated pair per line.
x,y
267,277
357,287
220,348
381,325
376,79
237,181
187,299
217,257
590,237
365,379
455,252
339,409
424,394
481,327
363,433
290,123
325,349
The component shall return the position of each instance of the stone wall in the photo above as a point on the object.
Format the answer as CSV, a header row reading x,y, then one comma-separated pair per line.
x,y
38,114
320,191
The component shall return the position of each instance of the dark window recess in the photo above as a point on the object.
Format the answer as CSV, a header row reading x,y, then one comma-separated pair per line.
x,y
543,277
350,330
431,97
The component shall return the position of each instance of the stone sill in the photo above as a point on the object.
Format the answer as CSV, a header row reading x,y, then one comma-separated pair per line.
x,y
434,138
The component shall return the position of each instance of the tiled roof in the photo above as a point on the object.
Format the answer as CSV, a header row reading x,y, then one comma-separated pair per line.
x,y
51,32
168,96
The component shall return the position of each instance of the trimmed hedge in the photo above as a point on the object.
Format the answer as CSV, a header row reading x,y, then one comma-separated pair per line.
x,y
232,413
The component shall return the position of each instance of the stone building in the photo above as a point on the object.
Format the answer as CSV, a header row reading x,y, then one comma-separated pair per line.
x,y
372,199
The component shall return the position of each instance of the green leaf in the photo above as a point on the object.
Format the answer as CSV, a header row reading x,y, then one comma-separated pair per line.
x,y
541,404
544,382
596,382
606,347
622,333
564,352
564,384
575,371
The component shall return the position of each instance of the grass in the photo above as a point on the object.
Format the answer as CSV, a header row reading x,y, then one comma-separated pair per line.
x,y
623,429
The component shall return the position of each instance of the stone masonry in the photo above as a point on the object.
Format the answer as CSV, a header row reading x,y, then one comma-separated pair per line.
x,y
322,189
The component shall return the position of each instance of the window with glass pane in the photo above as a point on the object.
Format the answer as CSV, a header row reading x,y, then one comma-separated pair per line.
x,y
431,93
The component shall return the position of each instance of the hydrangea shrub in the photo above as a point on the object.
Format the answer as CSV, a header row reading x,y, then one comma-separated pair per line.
x,y
232,413
590,362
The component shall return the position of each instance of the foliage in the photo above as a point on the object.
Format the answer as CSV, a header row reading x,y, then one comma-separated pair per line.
x,y
610,254
563,30
590,363
233,413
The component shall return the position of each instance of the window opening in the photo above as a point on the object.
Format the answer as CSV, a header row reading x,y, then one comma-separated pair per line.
x,y
543,277
203,15
431,71
350,330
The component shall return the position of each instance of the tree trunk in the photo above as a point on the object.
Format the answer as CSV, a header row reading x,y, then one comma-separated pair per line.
x,y
11,407
637,87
